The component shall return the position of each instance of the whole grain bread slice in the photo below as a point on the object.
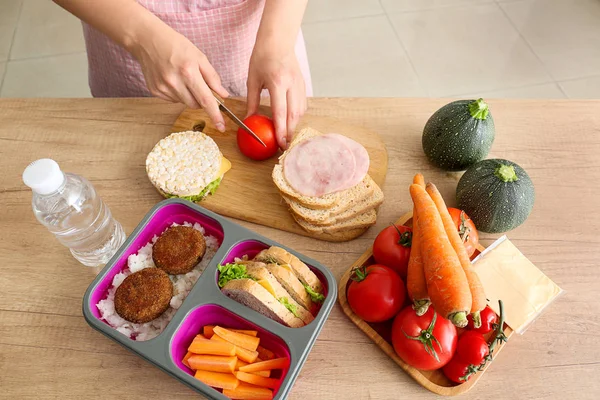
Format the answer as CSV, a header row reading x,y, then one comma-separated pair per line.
x,y
363,220
331,216
256,297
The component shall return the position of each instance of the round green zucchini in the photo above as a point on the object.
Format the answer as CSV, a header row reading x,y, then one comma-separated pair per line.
x,y
459,134
497,194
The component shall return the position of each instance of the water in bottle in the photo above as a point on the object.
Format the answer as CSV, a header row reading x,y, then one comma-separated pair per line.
x,y
70,208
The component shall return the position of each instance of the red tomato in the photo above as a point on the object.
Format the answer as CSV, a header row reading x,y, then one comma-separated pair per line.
x,y
392,248
488,319
466,229
457,369
265,130
472,348
427,342
376,293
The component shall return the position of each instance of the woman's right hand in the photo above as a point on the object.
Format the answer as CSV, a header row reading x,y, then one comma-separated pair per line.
x,y
176,70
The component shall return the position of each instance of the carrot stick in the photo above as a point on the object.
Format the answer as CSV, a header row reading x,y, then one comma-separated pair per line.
x,y
265,354
201,345
446,280
185,359
246,355
213,363
416,284
208,331
239,339
257,380
245,391
217,379
241,363
276,363
477,292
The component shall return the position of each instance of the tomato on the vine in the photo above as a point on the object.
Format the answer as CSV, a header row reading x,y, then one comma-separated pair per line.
x,y
458,371
472,348
488,319
392,248
466,229
376,293
426,342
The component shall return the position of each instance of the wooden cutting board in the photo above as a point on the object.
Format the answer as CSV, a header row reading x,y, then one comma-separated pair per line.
x,y
247,191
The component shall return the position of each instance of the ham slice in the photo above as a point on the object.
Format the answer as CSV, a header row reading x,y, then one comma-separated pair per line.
x,y
318,166
325,164
361,159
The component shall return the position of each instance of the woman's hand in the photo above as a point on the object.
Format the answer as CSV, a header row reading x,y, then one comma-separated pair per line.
x,y
279,73
176,70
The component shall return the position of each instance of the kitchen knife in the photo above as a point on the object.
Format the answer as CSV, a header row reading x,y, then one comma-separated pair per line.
x,y
238,121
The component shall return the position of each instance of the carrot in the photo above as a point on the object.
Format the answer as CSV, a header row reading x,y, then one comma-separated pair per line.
x,y
213,363
217,379
241,363
265,354
245,391
239,339
201,345
446,280
276,363
208,331
185,359
257,380
477,292
246,355
416,284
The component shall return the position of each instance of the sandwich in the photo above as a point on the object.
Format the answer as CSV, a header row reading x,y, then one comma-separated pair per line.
x,y
187,165
251,283
280,260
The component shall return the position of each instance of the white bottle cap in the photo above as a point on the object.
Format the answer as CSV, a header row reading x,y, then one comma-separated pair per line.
x,y
43,176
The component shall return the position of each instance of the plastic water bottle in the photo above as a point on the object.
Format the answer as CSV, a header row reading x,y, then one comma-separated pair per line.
x,y
69,207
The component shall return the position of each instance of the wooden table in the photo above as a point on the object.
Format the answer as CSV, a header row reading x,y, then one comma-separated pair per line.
x,y
48,351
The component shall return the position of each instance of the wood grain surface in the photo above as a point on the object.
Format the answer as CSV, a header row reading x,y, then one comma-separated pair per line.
x,y
47,351
434,381
248,193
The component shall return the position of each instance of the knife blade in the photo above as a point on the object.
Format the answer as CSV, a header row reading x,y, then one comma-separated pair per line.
x,y
238,121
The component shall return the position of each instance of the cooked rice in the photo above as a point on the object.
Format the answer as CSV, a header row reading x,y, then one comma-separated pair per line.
x,y
182,285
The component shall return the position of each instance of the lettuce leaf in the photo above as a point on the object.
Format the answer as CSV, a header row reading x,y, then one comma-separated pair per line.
x,y
291,307
229,272
211,188
314,296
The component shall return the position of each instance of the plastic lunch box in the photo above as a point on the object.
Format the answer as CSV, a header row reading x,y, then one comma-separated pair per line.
x,y
205,304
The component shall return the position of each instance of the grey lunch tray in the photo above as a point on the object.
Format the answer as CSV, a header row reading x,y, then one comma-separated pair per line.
x,y
205,300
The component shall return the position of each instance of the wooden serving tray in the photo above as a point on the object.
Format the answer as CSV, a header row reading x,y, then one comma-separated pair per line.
x,y
247,191
380,333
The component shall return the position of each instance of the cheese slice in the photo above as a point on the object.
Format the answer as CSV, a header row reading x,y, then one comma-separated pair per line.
x,y
288,267
225,166
267,285
507,275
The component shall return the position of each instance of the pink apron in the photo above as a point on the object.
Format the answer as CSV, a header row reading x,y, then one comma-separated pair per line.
x,y
224,30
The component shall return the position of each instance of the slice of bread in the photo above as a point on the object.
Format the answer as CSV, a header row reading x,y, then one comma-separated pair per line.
x,y
363,220
279,256
330,217
292,285
256,297
342,236
266,279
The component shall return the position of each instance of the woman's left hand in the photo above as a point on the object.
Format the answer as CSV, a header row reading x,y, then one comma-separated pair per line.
x,y
278,72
